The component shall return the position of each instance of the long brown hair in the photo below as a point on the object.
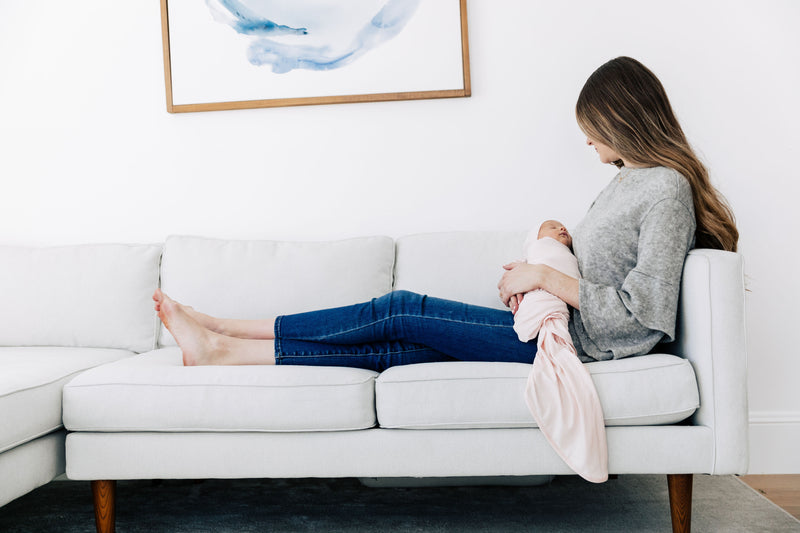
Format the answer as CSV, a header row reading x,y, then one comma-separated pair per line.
x,y
624,106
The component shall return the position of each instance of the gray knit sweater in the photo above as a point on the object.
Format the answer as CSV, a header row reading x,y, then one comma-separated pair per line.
x,y
630,247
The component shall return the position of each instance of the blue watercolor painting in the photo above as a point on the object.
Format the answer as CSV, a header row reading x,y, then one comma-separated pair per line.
x,y
314,35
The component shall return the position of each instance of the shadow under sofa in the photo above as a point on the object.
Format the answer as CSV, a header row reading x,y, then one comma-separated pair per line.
x,y
679,411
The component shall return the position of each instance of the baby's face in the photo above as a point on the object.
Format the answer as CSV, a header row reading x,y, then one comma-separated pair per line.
x,y
555,230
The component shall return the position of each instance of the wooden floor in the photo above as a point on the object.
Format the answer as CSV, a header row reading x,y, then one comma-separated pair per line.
x,y
783,490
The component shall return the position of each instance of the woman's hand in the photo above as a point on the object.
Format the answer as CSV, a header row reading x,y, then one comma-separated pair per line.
x,y
518,279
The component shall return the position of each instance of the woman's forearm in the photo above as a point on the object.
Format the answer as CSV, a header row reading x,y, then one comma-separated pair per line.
x,y
563,286
521,278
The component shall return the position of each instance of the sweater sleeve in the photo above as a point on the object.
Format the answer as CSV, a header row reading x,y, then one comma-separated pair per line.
x,y
630,320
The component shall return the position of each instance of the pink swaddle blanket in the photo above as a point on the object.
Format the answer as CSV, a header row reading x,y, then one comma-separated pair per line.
x,y
560,392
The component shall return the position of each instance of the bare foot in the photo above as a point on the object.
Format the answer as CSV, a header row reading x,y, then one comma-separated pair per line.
x,y
207,321
199,345
158,295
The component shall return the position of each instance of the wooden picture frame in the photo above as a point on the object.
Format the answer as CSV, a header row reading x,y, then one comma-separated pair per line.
x,y
220,58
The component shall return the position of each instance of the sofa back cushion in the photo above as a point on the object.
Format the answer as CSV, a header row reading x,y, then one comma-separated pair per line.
x,y
93,296
462,266
263,279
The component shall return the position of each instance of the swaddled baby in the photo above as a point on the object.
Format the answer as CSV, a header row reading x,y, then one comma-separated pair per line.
x,y
550,246
560,392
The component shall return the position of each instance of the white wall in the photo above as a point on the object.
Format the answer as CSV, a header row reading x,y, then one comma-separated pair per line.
x,y
88,153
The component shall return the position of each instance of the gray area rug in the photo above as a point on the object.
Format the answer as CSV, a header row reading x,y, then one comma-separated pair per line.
x,y
567,503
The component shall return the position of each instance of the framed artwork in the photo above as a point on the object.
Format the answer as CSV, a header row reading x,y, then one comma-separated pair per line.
x,y
242,54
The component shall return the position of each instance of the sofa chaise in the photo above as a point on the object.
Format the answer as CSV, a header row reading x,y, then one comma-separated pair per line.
x,y
80,322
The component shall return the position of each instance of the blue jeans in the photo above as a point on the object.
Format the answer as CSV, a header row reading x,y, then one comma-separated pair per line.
x,y
399,328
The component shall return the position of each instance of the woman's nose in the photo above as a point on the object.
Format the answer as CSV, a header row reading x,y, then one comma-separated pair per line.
x,y
588,141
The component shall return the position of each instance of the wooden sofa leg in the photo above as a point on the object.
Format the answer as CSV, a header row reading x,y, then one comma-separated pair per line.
x,y
104,493
680,501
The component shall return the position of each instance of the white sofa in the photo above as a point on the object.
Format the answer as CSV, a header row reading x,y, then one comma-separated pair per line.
x,y
80,319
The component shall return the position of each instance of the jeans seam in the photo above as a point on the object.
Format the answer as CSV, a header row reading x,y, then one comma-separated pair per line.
x,y
370,324
277,343
355,354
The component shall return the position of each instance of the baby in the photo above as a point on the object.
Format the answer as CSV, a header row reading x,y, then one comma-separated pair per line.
x,y
552,247
560,392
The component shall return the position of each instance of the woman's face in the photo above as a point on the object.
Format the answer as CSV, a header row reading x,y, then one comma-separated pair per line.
x,y
606,153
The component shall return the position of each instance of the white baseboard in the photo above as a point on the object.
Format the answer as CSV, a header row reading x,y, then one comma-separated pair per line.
x,y
774,442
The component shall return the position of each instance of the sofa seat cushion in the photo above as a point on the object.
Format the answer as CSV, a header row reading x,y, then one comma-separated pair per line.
x,y
31,379
155,392
649,390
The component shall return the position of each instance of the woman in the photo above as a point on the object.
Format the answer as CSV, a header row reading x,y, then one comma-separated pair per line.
x,y
630,247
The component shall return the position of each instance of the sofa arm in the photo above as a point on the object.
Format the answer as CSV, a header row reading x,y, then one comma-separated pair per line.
x,y
711,334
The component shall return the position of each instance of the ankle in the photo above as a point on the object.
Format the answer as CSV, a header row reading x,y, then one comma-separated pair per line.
x,y
221,326
215,342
